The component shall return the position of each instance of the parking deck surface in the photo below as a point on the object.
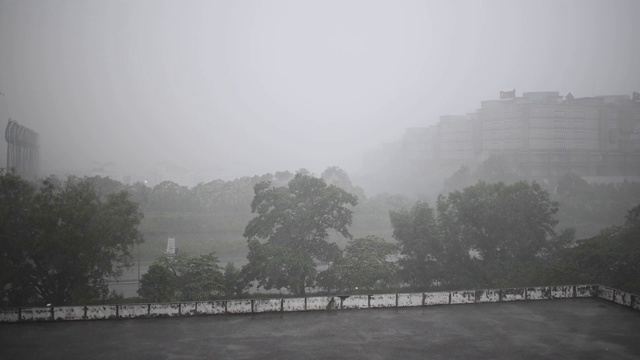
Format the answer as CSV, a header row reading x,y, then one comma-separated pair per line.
x,y
552,329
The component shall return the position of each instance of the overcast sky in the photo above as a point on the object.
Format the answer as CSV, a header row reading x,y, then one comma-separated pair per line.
x,y
232,88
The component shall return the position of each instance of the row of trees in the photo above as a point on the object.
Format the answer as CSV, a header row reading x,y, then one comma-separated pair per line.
x,y
486,235
61,241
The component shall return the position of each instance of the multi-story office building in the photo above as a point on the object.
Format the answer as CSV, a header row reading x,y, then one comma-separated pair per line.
x,y
543,135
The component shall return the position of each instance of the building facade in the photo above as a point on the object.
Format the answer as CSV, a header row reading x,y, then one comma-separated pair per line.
x,y
542,134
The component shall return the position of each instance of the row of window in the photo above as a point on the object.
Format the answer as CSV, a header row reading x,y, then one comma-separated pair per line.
x,y
570,145
564,134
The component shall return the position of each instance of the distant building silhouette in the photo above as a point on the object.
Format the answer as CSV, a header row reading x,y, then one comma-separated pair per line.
x,y
23,151
542,134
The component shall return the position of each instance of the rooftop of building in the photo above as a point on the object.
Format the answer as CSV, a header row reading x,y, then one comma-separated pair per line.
x,y
568,321
577,328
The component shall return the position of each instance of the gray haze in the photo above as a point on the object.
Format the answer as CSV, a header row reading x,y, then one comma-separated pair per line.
x,y
232,88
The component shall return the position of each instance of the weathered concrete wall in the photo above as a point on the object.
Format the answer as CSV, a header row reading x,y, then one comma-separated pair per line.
x,y
355,302
485,296
513,294
297,304
211,307
414,299
323,303
97,312
382,301
267,305
437,298
538,293
188,308
561,292
586,291
164,310
463,297
9,315
239,306
36,314
316,303
69,313
129,311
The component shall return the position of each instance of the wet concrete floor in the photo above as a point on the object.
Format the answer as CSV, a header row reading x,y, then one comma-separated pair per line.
x,y
550,329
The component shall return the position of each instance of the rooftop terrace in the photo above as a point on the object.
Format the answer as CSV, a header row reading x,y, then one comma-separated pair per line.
x,y
572,328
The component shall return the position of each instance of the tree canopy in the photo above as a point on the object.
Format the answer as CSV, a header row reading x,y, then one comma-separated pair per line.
x,y
289,233
183,278
61,243
367,264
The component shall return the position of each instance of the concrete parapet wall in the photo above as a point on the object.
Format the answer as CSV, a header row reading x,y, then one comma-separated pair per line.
x,y
414,299
437,298
69,313
296,304
490,295
128,311
9,315
162,310
538,293
315,303
382,301
98,312
267,305
586,291
562,292
355,302
210,307
463,297
36,314
239,306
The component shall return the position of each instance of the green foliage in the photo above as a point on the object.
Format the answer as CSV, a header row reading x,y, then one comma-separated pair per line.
x,y
592,207
611,258
294,222
366,265
235,282
485,235
183,278
421,246
501,222
61,242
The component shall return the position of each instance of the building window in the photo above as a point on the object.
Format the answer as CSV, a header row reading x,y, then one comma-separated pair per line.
x,y
579,123
560,145
560,123
578,134
561,134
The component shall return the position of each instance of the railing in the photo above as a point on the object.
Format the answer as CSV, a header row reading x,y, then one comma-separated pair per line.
x,y
315,303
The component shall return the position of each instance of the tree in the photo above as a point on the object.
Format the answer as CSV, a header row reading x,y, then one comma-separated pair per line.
x,y
365,265
420,244
611,258
503,226
290,231
61,241
235,282
183,278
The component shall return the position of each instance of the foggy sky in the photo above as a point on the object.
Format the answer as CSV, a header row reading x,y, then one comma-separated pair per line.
x,y
232,88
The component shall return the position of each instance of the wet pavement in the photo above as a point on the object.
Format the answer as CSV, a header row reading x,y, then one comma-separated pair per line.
x,y
551,329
